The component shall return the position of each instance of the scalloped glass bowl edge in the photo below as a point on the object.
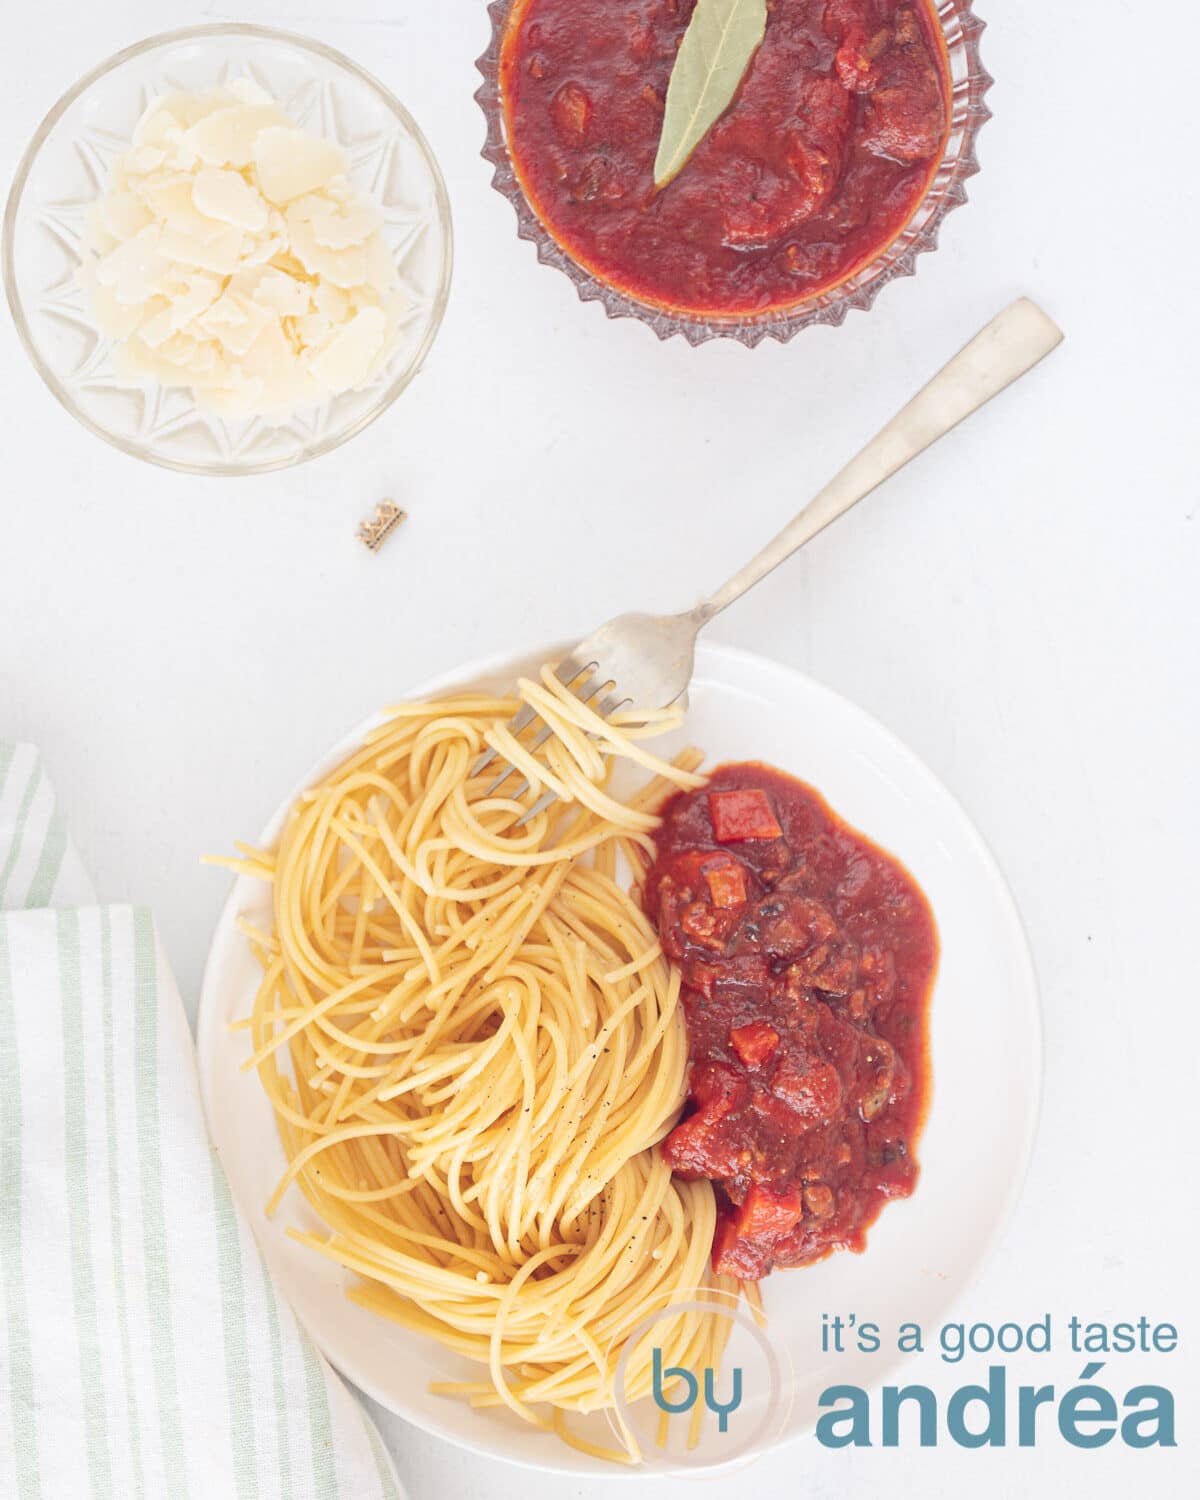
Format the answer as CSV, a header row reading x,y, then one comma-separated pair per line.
x,y
969,84
41,229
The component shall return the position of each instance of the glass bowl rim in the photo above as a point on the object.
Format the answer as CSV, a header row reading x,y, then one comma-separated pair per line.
x,y
858,291
184,34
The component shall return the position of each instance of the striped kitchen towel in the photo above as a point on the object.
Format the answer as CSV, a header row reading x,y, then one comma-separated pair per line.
x,y
144,1352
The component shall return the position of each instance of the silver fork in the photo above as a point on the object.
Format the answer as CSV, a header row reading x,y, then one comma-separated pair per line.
x,y
647,660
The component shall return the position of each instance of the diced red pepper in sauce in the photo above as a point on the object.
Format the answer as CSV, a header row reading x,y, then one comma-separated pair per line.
x,y
764,1217
742,815
754,1042
823,155
572,110
726,882
807,1017
765,1213
732,1255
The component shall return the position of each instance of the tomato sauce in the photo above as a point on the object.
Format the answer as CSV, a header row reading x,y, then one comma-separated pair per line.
x,y
808,957
820,161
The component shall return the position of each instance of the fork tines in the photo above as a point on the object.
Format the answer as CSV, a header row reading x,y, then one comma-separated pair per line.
x,y
586,683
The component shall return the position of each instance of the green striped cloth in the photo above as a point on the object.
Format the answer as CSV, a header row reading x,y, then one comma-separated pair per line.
x,y
144,1353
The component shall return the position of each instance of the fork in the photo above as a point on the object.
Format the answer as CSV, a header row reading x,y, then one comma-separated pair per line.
x,y
648,660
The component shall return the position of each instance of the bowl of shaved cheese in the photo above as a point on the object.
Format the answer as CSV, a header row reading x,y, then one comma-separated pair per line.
x,y
228,249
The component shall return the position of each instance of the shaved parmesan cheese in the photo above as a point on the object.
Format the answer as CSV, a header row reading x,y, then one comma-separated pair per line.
x,y
145,160
120,319
135,268
158,127
226,137
290,162
345,268
229,197
347,358
220,253
230,254
192,296
155,330
381,274
283,294
332,302
190,108
168,198
97,236
338,224
124,214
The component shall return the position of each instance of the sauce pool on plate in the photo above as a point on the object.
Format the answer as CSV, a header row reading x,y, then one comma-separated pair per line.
x,y
826,151
808,957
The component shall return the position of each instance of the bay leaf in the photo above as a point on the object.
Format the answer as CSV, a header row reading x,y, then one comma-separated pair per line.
x,y
717,48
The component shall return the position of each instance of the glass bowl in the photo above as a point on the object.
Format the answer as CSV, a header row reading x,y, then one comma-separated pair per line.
x,y
969,83
66,167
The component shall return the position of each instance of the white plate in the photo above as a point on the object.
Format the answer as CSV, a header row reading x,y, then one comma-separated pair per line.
x,y
986,1049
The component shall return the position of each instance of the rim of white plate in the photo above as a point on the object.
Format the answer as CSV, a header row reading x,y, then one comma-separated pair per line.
x,y
731,664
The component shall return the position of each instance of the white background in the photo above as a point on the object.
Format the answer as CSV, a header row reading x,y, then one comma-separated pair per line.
x,y
1021,607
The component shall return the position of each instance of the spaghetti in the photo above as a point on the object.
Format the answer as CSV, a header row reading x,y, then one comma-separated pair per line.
x,y
473,1044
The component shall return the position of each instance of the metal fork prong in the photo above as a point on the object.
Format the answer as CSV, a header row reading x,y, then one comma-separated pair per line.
x,y
511,770
607,705
568,670
543,735
538,740
535,743
547,799
500,780
520,720
587,687
483,763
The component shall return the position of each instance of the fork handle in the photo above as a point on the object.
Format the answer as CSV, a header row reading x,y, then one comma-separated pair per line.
x,y
1006,349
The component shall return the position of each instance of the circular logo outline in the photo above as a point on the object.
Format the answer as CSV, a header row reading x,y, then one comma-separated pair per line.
x,y
707,1301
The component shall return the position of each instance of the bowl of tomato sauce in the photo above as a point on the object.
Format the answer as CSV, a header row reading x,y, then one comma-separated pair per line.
x,y
848,138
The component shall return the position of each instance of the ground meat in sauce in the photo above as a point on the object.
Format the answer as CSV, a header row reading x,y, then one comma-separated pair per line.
x,y
808,958
820,161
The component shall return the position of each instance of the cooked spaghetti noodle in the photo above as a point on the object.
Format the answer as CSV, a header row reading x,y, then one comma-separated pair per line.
x,y
473,1043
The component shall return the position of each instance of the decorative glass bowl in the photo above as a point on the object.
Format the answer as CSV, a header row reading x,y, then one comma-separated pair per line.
x,y
66,167
969,84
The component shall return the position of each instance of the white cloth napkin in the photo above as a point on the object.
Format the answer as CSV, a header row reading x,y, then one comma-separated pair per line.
x,y
144,1353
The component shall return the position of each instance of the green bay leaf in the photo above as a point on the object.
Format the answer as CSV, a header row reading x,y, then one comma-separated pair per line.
x,y
717,48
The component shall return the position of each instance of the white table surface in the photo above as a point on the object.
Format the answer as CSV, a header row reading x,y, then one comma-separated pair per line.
x,y
1021,607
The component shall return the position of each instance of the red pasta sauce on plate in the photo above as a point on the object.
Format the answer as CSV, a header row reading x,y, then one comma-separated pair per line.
x,y
808,957
814,169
